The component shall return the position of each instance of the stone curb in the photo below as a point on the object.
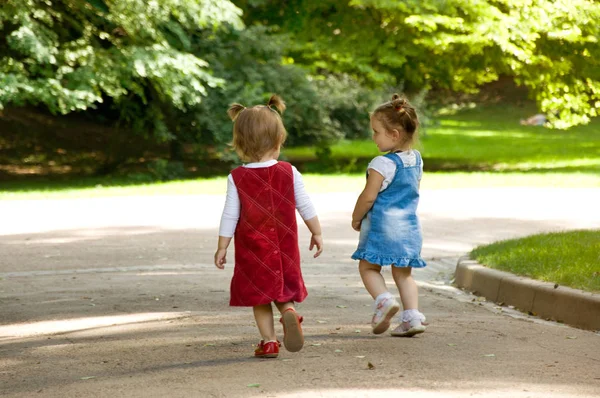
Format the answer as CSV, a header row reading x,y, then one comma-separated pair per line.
x,y
562,304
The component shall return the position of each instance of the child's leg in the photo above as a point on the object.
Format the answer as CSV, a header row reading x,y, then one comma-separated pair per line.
x,y
263,314
385,304
284,306
293,338
411,321
372,278
409,293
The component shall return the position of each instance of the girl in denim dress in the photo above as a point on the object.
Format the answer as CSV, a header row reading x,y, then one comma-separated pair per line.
x,y
385,215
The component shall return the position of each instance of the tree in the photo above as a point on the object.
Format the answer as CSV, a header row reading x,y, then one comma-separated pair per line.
x,y
70,56
551,47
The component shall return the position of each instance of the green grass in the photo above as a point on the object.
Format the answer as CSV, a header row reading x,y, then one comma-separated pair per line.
x,y
488,138
567,258
480,147
315,183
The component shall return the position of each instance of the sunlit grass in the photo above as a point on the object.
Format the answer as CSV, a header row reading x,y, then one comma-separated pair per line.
x,y
567,258
486,146
315,183
488,139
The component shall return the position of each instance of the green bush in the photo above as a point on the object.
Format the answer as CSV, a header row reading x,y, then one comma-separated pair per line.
x,y
250,63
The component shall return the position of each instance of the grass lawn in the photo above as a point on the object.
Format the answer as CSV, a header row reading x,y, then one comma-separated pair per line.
x,y
567,258
315,183
479,147
488,138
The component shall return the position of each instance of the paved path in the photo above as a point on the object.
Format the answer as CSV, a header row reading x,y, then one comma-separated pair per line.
x,y
118,297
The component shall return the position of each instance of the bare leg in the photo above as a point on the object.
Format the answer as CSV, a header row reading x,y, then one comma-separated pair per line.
x,y
293,338
263,314
284,306
409,293
372,278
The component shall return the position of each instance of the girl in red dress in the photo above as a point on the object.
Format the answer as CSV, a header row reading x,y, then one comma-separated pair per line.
x,y
260,212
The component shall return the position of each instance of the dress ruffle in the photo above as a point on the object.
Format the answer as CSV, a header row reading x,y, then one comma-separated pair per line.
x,y
375,258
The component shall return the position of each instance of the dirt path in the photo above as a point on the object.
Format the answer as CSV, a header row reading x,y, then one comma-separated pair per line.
x,y
118,297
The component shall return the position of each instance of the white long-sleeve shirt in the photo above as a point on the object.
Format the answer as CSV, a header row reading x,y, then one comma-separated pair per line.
x,y
231,211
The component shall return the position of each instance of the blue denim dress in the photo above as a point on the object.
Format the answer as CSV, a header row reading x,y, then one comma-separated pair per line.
x,y
391,233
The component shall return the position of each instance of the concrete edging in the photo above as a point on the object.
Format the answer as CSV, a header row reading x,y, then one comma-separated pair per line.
x,y
573,307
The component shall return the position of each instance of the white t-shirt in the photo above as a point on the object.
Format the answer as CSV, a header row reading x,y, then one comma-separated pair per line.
x,y
231,211
387,168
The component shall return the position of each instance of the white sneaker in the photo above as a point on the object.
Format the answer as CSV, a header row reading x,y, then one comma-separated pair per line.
x,y
385,311
410,325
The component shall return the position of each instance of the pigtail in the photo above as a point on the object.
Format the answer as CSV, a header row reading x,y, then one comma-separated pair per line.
x,y
234,110
277,102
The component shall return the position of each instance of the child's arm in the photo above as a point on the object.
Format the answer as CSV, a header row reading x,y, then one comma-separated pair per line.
x,y
314,226
307,212
366,198
229,220
220,255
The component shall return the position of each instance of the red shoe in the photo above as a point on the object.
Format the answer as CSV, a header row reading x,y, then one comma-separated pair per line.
x,y
293,339
267,350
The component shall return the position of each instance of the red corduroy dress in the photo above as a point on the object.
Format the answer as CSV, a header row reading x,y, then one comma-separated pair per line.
x,y
267,258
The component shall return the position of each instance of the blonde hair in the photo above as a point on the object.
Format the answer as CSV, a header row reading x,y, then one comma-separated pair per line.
x,y
398,114
258,129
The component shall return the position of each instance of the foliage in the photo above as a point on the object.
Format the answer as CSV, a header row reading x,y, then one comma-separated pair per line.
x,y
163,170
70,56
252,64
348,104
549,46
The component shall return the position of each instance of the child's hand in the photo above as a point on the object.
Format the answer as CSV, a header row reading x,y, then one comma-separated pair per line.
x,y
220,259
316,240
356,225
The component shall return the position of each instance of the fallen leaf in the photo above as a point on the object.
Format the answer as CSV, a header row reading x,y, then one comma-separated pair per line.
x,y
209,345
370,366
490,355
316,344
571,337
286,360
360,356
341,306
338,351
357,331
87,377
452,344
256,385
321,321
